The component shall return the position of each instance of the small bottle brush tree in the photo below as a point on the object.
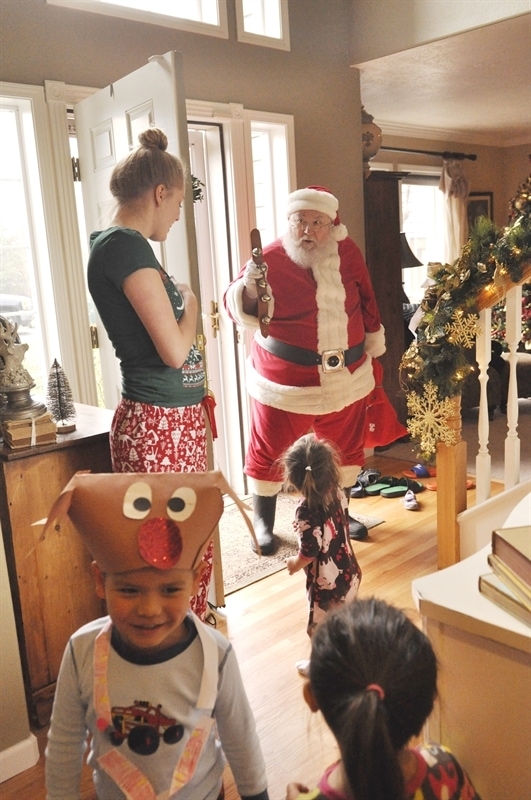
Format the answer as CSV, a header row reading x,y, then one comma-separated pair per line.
x,y
59,399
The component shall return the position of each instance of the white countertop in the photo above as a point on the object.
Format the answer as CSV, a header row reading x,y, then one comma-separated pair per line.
x,y
452,596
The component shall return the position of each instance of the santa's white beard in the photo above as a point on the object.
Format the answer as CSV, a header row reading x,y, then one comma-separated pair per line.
x,y
307,258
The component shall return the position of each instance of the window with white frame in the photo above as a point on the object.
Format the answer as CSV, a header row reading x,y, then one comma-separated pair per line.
x,y
25,278
263,22
423,220
270,143
197,16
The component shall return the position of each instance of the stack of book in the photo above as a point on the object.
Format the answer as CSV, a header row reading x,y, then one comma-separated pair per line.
x,y
29,432
509,583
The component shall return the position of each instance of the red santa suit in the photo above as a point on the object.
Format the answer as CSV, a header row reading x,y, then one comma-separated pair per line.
x,y
328,307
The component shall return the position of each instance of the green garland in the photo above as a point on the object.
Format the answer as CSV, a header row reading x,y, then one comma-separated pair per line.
x,y
197,190
437,361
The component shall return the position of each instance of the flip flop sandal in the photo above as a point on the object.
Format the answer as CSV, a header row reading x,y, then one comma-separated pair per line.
x,y
368,477
357,490
433,486
401,487
383,483
420,471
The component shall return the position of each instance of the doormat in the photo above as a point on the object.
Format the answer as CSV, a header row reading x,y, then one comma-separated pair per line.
x,y
241,566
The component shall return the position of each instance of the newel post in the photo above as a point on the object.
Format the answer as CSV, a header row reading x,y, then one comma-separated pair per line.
x,y
451,491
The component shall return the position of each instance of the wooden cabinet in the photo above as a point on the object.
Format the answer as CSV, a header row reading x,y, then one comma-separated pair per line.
x,y
50,577
483,712
382,254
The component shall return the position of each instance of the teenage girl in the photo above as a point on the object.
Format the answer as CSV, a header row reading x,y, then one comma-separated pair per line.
x,y
373,675
159,423
311,466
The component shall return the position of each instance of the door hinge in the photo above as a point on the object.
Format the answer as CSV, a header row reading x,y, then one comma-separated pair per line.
x,y
76,174
94,337
214,318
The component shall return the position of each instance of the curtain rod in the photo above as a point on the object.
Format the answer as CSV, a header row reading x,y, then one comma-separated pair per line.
x,y
446,155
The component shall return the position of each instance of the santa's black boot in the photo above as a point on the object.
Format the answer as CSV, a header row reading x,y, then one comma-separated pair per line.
x,y
356,530
264,520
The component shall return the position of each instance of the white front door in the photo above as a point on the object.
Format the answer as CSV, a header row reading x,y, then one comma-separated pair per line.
x,y
107,124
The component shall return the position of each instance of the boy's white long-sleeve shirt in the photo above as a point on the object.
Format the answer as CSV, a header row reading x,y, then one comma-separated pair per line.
x,y
172,685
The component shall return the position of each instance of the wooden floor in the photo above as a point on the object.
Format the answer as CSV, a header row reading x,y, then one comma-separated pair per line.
x,y
266,624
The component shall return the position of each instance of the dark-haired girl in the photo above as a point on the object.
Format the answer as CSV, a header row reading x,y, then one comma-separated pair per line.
x,y
312,467
373,675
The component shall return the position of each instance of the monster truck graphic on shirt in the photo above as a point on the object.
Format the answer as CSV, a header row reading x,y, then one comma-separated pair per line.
x,y
143,725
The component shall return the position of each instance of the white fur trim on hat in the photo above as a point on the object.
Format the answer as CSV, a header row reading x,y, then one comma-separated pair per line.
x,y
313,200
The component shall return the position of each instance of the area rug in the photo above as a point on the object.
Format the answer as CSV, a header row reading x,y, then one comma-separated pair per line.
x,y
241,566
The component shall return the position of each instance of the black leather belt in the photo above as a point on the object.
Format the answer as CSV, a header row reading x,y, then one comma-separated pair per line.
x,y
330,360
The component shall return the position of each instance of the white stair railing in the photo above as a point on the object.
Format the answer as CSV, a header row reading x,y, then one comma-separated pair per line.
x,y
513,333
483,458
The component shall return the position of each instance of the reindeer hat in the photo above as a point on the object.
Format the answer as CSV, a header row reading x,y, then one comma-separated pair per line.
x,y
134,520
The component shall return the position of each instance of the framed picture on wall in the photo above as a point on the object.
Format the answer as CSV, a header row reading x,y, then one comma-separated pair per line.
x,y
479,204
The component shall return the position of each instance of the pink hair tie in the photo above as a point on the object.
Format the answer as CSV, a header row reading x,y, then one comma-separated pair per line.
x,y
374,687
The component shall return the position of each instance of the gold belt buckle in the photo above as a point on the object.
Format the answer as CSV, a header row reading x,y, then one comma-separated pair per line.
x,y
333,360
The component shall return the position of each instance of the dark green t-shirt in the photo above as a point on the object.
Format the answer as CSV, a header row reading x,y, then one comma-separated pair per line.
x,y
116,253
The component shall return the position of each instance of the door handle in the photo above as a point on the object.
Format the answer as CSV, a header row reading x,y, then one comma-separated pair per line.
x,y
214,318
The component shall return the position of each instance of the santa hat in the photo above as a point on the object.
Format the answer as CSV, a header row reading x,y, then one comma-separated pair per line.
x,y
134,520
314,198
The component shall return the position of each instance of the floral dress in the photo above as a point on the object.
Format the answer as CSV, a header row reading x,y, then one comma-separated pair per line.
x,y
334,575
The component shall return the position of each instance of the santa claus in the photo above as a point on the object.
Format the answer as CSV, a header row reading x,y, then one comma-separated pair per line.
x,y
314,370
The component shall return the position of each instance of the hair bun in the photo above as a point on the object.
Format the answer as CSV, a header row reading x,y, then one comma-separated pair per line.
x,y
153,137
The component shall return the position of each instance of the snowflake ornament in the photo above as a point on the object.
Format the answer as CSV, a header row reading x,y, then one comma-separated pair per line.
x,y
463,329
429,419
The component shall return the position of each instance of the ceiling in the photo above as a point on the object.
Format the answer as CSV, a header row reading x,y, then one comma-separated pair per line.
x,y
473,87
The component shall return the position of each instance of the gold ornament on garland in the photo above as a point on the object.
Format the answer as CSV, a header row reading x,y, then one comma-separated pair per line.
x,y
429,419
463,329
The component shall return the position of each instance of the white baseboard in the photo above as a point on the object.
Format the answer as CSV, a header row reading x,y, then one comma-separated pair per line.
x,y
19,757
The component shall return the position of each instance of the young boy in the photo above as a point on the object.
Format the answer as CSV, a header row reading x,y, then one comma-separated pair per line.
x,y
159,692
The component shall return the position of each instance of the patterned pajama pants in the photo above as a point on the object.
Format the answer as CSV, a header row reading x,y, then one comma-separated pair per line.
x,y
146,438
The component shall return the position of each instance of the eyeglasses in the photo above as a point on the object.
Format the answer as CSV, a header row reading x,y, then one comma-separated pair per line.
x,y
313,226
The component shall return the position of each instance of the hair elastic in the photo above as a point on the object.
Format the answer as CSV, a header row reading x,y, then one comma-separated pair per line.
x,y
374,687
308,469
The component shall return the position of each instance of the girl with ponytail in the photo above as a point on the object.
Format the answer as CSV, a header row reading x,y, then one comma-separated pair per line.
x,y
373,676
311,466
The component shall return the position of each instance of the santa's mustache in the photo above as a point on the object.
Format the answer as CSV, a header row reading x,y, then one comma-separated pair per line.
x,y
307,258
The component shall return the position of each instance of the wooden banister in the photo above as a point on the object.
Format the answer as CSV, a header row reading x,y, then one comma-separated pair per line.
x,y
496,291
451,491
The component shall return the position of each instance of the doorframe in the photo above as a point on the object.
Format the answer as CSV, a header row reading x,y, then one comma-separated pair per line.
x,y
235,123
240,218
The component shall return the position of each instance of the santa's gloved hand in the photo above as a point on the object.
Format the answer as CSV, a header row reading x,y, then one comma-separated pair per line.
x,y
252,274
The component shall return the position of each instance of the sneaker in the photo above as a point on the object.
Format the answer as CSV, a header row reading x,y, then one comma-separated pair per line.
x,y
410,501
303,667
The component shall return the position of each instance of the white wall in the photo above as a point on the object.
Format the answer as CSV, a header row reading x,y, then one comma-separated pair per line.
x,y
18,747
